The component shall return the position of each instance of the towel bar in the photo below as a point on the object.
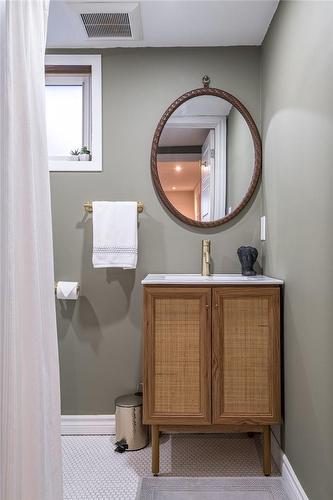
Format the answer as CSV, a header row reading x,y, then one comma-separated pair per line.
x,y
88,207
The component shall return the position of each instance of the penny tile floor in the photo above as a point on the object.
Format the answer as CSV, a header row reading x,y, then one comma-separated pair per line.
x,y
93,471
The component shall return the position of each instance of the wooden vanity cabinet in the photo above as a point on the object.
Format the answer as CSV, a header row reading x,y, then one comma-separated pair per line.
x,y
212,360
246,355
177,356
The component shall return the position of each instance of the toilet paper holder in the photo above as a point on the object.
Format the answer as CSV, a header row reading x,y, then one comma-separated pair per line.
x,y
56,284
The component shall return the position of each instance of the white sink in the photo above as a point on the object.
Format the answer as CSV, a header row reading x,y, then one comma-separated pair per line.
x,y
216,279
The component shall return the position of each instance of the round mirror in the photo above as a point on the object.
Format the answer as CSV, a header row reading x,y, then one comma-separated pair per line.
x,y
206,157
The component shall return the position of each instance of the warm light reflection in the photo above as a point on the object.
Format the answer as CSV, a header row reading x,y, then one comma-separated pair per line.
x,y
178,168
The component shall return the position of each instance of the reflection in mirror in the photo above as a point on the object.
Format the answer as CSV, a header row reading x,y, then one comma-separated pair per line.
x,y
205,158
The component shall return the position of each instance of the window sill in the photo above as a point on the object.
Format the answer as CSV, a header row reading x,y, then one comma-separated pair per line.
x,y
75,166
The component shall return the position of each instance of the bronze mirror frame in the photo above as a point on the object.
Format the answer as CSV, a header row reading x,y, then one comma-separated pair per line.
x,y
206,90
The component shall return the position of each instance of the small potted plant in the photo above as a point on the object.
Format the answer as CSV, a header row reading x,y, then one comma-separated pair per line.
x,y
84,154
75,154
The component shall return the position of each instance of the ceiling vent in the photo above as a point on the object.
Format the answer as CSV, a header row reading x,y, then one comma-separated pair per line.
x,y
110,21
110,25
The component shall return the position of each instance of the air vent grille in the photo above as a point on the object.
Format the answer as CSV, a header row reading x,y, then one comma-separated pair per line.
x,y
107,25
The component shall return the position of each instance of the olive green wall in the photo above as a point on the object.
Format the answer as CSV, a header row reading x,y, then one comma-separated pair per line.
x,y
297,123
100,336
240,158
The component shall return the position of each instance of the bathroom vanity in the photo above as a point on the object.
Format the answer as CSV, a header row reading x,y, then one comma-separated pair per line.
x,y
211,355
212,343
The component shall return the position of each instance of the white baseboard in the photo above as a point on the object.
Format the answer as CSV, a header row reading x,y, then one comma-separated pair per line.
x,y
87,424
291,482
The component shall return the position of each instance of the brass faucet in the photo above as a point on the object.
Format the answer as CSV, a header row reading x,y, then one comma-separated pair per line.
x,y
205,258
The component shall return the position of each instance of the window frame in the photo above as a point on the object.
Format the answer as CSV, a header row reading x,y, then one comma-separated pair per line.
x,y
92,101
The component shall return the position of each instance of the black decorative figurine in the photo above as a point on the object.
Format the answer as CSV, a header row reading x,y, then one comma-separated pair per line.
x,y
247,257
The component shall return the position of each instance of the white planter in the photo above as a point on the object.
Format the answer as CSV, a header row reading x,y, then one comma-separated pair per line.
x,y
74,157
85,157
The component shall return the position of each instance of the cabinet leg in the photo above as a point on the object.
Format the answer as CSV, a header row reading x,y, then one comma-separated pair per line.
x,y
155,445
267,450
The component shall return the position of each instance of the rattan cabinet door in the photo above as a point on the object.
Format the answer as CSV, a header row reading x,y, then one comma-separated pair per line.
x,y
177,356
246,355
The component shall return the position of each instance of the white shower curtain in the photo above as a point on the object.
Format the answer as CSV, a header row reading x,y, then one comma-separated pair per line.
x,y
30,452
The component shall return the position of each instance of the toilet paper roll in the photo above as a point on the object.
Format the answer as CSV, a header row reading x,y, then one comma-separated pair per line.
x,y
67,290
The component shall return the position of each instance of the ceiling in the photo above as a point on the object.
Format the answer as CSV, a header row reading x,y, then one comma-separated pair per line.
x,y
203,105
183,137
168,23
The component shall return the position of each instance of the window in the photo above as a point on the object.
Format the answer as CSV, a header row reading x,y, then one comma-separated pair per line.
x,y
73,111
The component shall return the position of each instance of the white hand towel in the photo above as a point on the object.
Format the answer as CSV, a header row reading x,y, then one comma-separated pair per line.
x,y
115,234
